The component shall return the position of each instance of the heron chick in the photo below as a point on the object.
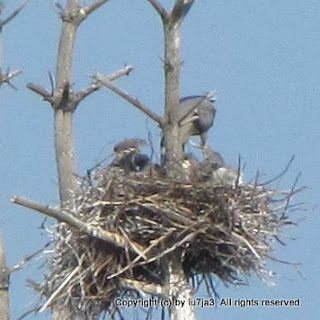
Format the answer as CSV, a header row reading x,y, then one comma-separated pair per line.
x,y
127,155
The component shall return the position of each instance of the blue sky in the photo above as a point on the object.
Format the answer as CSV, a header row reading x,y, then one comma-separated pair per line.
x,y
262,60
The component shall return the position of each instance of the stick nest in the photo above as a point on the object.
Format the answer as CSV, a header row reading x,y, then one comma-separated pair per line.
x,y
215,230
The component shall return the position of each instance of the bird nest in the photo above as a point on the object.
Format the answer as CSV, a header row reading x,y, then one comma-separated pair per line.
x,y
137,220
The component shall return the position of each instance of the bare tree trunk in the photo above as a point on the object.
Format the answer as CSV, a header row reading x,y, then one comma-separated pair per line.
x,y
180,292
176,280
4,270
64,103
63,136
172,143
4,284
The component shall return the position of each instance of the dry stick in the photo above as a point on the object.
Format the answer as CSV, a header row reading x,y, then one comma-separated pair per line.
x,y
136,259
13,14
134,101
27,258
59,289
281,174
79,225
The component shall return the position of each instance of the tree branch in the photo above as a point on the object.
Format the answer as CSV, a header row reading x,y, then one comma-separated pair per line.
x,y
79,96
13,14
5,78
66,97
72,221
93,6
134,101
159,8
45,94
181,9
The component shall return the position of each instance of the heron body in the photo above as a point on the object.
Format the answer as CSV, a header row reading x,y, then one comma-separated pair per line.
x,y
197,115
214,169
128,156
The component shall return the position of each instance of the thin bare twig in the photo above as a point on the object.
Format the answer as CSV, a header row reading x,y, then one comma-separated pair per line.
x,y
134,101
61,287
27,258
13,14
159,8
292,191
280,174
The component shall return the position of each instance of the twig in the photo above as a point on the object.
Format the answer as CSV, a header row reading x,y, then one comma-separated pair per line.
x,y
136,259
56,292
247,243
292,191
13,14
72,221
134,101
280,174
27,258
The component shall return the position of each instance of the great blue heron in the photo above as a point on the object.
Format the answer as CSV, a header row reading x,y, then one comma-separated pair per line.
x,y
197,114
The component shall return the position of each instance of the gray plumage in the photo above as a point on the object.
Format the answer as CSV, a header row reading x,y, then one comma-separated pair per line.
x,y
197,121
128,157
214,169
141,161
129,145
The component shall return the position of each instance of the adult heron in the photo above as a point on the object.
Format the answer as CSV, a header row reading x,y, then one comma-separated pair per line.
x,y
197,114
